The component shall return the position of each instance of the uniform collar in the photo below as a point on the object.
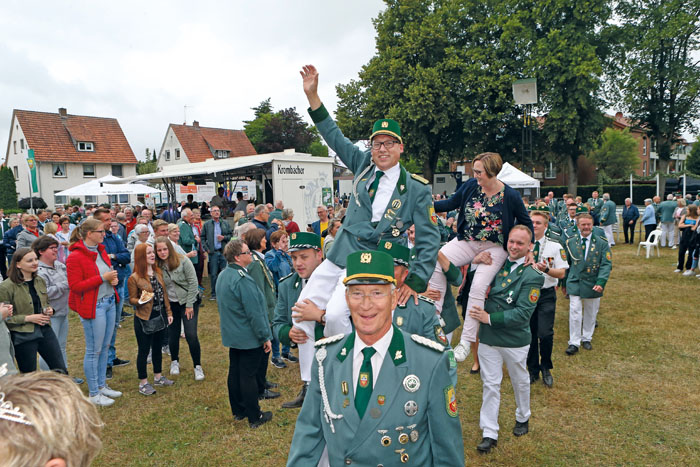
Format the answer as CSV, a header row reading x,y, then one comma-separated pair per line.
x,y
391,342
381,346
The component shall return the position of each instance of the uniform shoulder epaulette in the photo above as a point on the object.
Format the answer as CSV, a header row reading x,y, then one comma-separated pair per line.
x,y
329,340
286,277
420,179
428,343
426,299
241,273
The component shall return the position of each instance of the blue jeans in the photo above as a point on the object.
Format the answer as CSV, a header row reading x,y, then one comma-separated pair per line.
x,y
98,333
276,347
59,324
112,352
217,263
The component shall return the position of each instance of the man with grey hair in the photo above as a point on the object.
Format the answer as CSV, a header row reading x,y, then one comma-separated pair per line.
x,y
666,211
630,214
189,241
261,220
608,218
648,218
277,212
322,223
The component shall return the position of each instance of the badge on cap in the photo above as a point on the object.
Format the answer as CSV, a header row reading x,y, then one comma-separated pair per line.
x,y
385,124
388,245
366,258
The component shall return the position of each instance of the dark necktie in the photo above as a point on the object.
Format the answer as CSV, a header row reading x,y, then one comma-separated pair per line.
x,y
364,382
375,184
583,245
507,266
537,251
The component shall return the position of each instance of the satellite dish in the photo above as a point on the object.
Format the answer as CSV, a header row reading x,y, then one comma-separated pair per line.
x,y
525,91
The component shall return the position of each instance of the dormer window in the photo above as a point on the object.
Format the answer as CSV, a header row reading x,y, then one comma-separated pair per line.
x,y
221,154
86,146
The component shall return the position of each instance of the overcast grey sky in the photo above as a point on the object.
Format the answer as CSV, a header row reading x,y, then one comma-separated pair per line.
x,y
143,61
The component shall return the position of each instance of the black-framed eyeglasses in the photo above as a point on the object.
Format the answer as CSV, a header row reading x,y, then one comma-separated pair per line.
x,y
387,144
99,231
243,253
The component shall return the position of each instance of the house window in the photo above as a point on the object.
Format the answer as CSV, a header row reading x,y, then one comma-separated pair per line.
x,y
85,146
439,179
123,199
550,170
21,144
14,144
653,145
177,154
14,169
90,199
644,169
167,155
59,199
116,170
221,154
58,170
88,170
644,146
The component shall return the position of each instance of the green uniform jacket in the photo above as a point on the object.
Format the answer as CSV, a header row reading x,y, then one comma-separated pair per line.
x,y
420,319
288,293
510,304
263,278
582,274
358,441
187,240
184,277
666,210
243,317
410,204
608,214
595,204
208,234
18,296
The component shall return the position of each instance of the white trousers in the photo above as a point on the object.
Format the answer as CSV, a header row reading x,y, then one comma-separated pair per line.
x,y
491,361
582,309
326,290
460,253
667,232
608,229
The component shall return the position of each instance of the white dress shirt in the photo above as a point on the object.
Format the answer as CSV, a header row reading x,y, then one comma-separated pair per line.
x,y
384,191
550,254
381,347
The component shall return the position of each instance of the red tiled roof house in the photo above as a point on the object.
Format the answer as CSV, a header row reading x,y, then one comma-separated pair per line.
x,y
69,150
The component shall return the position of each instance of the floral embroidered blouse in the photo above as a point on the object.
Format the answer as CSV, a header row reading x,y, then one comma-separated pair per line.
x,y
482,216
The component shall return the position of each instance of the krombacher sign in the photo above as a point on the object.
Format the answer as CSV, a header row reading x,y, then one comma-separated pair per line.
x,y
290,170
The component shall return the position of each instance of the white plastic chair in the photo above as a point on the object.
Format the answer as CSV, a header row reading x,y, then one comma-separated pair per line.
x,y
652,242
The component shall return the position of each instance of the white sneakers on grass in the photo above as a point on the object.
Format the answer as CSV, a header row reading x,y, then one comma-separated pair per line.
x,y
689,272
461,351
101,400
174,368
198,373
109,392
677,270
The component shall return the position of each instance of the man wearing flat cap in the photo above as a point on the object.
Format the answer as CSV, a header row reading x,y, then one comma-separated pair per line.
x,y
378,395
386,200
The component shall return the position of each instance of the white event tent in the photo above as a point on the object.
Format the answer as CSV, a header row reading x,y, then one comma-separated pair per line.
x,y
102,187
519,180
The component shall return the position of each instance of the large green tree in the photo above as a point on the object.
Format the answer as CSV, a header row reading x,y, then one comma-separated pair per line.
x,y
617,154
441,73
659,73
693,160
273,131
8,189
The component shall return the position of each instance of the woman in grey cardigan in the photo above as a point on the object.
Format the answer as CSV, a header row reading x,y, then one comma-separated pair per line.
x,y
181,283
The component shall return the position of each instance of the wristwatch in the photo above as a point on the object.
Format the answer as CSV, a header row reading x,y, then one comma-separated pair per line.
x,y
546,270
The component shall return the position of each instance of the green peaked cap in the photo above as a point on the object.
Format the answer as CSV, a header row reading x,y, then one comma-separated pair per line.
x,y
400,253
303,241
386,126
369,267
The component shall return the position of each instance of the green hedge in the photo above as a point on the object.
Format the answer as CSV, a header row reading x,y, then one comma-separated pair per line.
x,y
618,193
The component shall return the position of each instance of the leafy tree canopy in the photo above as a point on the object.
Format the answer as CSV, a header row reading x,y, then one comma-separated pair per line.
x,y
8,189
693,160
617,153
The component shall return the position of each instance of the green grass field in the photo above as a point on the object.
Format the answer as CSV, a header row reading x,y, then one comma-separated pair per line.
x,y
633,400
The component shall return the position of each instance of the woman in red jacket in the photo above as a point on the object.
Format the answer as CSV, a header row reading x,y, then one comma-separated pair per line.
x,y
93,296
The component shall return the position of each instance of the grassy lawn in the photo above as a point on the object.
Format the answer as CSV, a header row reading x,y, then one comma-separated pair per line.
x,y
632,400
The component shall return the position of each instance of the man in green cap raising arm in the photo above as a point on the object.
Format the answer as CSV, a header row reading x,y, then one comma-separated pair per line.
x,y
378,395
386,200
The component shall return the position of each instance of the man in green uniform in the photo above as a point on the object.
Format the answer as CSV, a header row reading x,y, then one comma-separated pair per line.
x,y
245,330
378,395
595,204
608,218
504,336
385,202
305,250
590,263
666,210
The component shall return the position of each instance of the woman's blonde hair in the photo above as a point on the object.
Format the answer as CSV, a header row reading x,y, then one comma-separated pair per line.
x,y
63,423
50,228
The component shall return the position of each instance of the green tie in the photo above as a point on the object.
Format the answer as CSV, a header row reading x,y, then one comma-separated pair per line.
x,y
375,184
507,266
583,242
537,251
364,382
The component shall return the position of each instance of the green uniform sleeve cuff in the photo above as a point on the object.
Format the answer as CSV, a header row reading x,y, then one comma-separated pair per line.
x,y
319,114
416,283
452,274
601,282
283,335
497,319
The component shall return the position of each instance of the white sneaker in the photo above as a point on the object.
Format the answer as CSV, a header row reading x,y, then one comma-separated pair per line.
x,y
101,400
689,272
174,368
677,270
674,247
198,373
109,392
462,351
